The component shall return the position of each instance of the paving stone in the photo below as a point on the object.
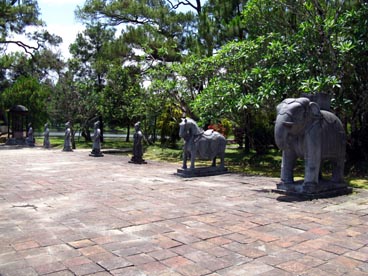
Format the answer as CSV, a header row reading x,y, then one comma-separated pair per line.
x,y
27,271
113,262
50,268
25,245
140,259
128,271
154,268
357,255
86,269
251,268
294,267
91,250
62,273
81,243
176,262
162,254
68,214
76,261
192,270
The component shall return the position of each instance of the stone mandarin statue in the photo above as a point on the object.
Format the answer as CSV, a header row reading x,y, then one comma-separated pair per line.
x,y
46,137
303,130
96,138
137,146
67,138
30,140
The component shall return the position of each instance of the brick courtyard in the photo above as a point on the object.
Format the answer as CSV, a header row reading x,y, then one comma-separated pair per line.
x,y
65,213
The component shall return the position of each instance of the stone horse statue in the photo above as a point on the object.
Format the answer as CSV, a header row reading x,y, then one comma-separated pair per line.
x,y
207,144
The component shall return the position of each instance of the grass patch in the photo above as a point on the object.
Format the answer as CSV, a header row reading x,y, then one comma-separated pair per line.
x,y
236,160
358,183
109,143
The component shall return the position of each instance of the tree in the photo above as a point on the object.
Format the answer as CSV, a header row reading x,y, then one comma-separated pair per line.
x,y
88,54
122,100
89,66
151,26
28,80
29,92
16,15
298,47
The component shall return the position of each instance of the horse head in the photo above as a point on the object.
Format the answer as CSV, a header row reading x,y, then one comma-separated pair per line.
x,y
184,130
189,128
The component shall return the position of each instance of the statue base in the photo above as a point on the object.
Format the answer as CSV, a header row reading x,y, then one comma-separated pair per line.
x,y
198,172
323,189
96,154
15,142
135,160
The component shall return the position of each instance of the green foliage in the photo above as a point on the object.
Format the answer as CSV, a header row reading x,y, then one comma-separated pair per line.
x,y
121,99
151,26
31,94
168,122
292,47
16,17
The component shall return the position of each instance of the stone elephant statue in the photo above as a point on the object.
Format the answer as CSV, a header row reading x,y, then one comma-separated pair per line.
x,y
303,130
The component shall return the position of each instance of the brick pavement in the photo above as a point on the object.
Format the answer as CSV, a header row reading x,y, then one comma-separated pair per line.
x,y
65,213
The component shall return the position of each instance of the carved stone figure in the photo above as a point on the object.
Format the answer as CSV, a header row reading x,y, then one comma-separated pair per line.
x,y
137,146
67,138
30,140
46,137
204,144
303,130
96,138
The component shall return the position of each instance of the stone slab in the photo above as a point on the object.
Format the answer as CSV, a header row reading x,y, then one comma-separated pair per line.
x,y
310,196
323,189
201,172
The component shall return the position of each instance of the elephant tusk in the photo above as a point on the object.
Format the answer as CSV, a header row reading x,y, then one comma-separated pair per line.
x,y
288,124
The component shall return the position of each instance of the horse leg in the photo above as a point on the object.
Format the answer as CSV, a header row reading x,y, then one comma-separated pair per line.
x,y
222,158
192,159
184,159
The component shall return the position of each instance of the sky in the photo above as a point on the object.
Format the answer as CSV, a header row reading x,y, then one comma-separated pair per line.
x,y
60,20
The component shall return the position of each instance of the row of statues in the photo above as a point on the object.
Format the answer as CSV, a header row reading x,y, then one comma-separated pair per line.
x,y
96,138
30,140
96,146
304,128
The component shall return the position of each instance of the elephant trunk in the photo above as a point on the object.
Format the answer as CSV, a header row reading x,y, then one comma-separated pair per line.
x,y
282,126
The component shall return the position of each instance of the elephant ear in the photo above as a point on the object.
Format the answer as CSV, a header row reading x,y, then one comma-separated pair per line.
x,y
314,110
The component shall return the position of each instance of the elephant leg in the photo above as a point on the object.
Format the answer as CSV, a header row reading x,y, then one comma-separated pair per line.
x,y
287,166
338,171
312,157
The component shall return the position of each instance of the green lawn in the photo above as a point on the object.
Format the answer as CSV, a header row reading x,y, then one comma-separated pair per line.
x,y
236,160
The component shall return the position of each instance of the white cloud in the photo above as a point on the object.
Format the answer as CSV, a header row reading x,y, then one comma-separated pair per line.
x,y
68,33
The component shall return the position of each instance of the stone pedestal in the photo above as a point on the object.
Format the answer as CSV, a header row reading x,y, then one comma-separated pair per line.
x,y
198,172
96,153
137,160
16,141
323,189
